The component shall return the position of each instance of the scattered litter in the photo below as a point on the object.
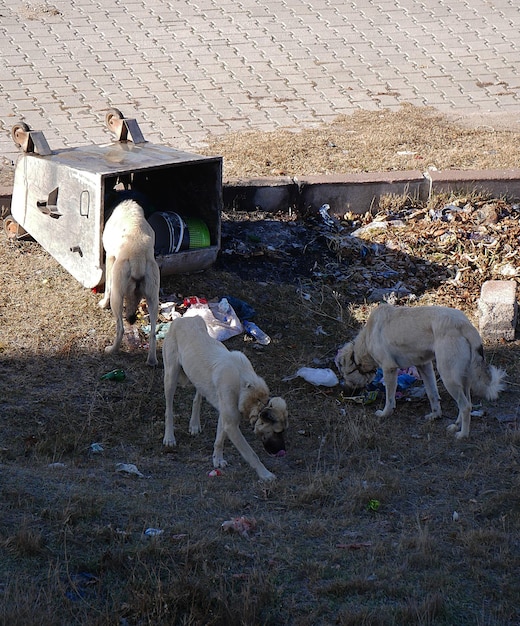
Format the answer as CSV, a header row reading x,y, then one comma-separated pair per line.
x,y
319,331
355,546
221,320
455,516
373,505
57,465
153,532
215,472
161,329
96,448
368,397
128,468
257,333
244,310
369,229
331,222
78,585
168,310
242,525
406,378
316,376
118,375
133,339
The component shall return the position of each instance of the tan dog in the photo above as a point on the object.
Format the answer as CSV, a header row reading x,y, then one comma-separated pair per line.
x,y
131,270
400,337
227,380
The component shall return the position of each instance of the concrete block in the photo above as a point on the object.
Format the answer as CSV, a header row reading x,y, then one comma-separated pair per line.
x,y
496,183
497,308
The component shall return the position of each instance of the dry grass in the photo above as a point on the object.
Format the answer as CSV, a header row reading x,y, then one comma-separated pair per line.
x,y
72,542
408,139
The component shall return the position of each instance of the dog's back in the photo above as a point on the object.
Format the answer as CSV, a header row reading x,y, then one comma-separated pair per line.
x,y
131,269
451,335
209,365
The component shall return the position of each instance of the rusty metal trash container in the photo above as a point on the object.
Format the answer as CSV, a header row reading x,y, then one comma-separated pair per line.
x,y
60,197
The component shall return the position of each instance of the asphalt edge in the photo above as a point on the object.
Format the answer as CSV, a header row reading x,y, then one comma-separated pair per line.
x,y
356,192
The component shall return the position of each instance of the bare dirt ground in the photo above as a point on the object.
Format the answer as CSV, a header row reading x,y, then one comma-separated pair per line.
x,y
380,522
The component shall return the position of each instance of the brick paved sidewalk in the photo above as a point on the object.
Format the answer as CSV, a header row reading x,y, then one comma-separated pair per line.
x,y
184,69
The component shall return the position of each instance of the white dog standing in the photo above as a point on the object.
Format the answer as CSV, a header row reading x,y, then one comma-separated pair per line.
x,y
227,380
397,337
131,270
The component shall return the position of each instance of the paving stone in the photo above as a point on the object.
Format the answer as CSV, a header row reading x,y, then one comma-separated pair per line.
x,y
497,309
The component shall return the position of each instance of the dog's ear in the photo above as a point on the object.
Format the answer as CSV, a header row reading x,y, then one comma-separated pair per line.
x,y
345,357
275,413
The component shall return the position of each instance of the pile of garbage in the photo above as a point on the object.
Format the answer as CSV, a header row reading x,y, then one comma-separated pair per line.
x,y
394,254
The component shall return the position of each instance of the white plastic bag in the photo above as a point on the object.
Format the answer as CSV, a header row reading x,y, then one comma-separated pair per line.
x,y
221,320
325,377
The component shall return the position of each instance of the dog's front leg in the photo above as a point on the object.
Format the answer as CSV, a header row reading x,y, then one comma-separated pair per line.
x,y
390,378
430,385
195,428
171,376
237,438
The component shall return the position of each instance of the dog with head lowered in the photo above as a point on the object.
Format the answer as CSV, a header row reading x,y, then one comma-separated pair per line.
x,y
227,380
396,337
131,270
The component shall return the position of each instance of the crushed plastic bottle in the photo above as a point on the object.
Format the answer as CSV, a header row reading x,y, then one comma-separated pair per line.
x,y
257,333
118,375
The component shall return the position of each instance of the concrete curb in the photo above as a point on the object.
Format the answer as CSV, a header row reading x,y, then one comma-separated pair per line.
x,y
357,193
360,192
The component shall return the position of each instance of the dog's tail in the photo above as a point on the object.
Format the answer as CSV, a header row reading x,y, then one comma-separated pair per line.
x,y
133,295
487,380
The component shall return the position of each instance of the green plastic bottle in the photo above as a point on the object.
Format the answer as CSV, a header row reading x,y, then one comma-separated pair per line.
x,y
118,375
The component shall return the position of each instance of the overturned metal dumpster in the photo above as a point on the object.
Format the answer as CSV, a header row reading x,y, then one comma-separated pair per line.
x,y
61,198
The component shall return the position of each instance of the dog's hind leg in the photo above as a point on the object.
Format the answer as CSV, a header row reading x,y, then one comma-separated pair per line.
x,y
104,303
462,396
453,366
116,304
218,448
390,378
195,428
427,374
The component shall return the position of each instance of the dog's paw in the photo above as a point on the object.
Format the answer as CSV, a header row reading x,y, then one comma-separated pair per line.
x,y
104,304
152,361
110,350
461,435
432,416
219,462
268,477
452,428
169,442
384,413
195,429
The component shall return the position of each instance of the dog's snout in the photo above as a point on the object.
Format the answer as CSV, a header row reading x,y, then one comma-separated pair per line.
x,y
275,443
